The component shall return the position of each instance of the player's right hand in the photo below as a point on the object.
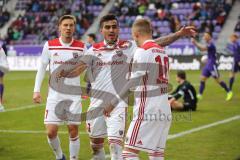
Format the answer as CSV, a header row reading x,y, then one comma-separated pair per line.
x,y
37,97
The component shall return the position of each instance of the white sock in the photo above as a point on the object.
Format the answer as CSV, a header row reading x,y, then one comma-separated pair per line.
x,y
74,147
56,147
129,155
115,147
98,151
156,155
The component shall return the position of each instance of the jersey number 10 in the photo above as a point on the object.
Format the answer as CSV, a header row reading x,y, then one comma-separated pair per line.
x,y
163,69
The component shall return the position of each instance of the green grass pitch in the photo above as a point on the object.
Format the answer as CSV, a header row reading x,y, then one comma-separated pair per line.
x,y
221,142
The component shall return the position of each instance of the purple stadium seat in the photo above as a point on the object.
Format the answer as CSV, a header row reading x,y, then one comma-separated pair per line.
x,y
217,28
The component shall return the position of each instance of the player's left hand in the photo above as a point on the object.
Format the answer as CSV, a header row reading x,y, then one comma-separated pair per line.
x,y
107,110
190,31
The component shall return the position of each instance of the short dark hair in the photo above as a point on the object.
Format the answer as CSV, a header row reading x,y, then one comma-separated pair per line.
x,y
181,74
106,18
92,35
67,16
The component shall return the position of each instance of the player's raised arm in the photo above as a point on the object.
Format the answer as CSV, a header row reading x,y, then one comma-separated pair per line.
x,y
40,74
188,31
198,45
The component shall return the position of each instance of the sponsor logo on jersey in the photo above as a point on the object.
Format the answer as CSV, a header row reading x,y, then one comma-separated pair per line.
x,y
100,63
119,53
65,62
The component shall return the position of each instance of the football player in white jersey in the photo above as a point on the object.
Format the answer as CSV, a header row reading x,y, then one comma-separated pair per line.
x,y
108,72
149,127
3,68
57,52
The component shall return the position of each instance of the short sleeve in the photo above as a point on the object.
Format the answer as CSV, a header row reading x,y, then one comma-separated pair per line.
x,y
140,63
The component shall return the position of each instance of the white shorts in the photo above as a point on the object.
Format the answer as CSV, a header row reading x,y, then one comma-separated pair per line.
x,y
149,128
112,127
63,114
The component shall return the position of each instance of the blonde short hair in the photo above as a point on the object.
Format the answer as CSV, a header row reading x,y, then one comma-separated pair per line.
x,y
143,26
66,17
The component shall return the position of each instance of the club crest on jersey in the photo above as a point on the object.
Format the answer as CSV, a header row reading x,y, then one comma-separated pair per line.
x,y
55,54
119,53
75,55
99,55
120,132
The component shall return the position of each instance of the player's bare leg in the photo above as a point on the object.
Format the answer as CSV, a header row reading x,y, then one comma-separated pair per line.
x,y
54,141
203,79
224,86
130,154
176,105
74,142
97,145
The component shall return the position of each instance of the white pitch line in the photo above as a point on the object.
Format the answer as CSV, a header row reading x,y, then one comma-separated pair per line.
x,y
173,136
22,108
203,127
34,132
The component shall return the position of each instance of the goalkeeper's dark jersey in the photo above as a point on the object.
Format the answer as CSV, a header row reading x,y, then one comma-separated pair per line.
x,y
187,91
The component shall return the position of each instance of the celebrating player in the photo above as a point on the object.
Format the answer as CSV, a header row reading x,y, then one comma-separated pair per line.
x,y
210,68
57,52
152,114
111,66
235,49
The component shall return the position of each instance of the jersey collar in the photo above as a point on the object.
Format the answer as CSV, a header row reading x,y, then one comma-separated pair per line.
x,y
110,47
147,41
65,44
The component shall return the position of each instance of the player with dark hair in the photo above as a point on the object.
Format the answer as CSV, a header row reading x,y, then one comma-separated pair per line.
x,y
210,68
185,90
149,73
91,39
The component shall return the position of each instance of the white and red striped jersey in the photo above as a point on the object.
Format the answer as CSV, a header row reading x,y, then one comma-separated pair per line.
x,y
55,53
109,68
150,63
